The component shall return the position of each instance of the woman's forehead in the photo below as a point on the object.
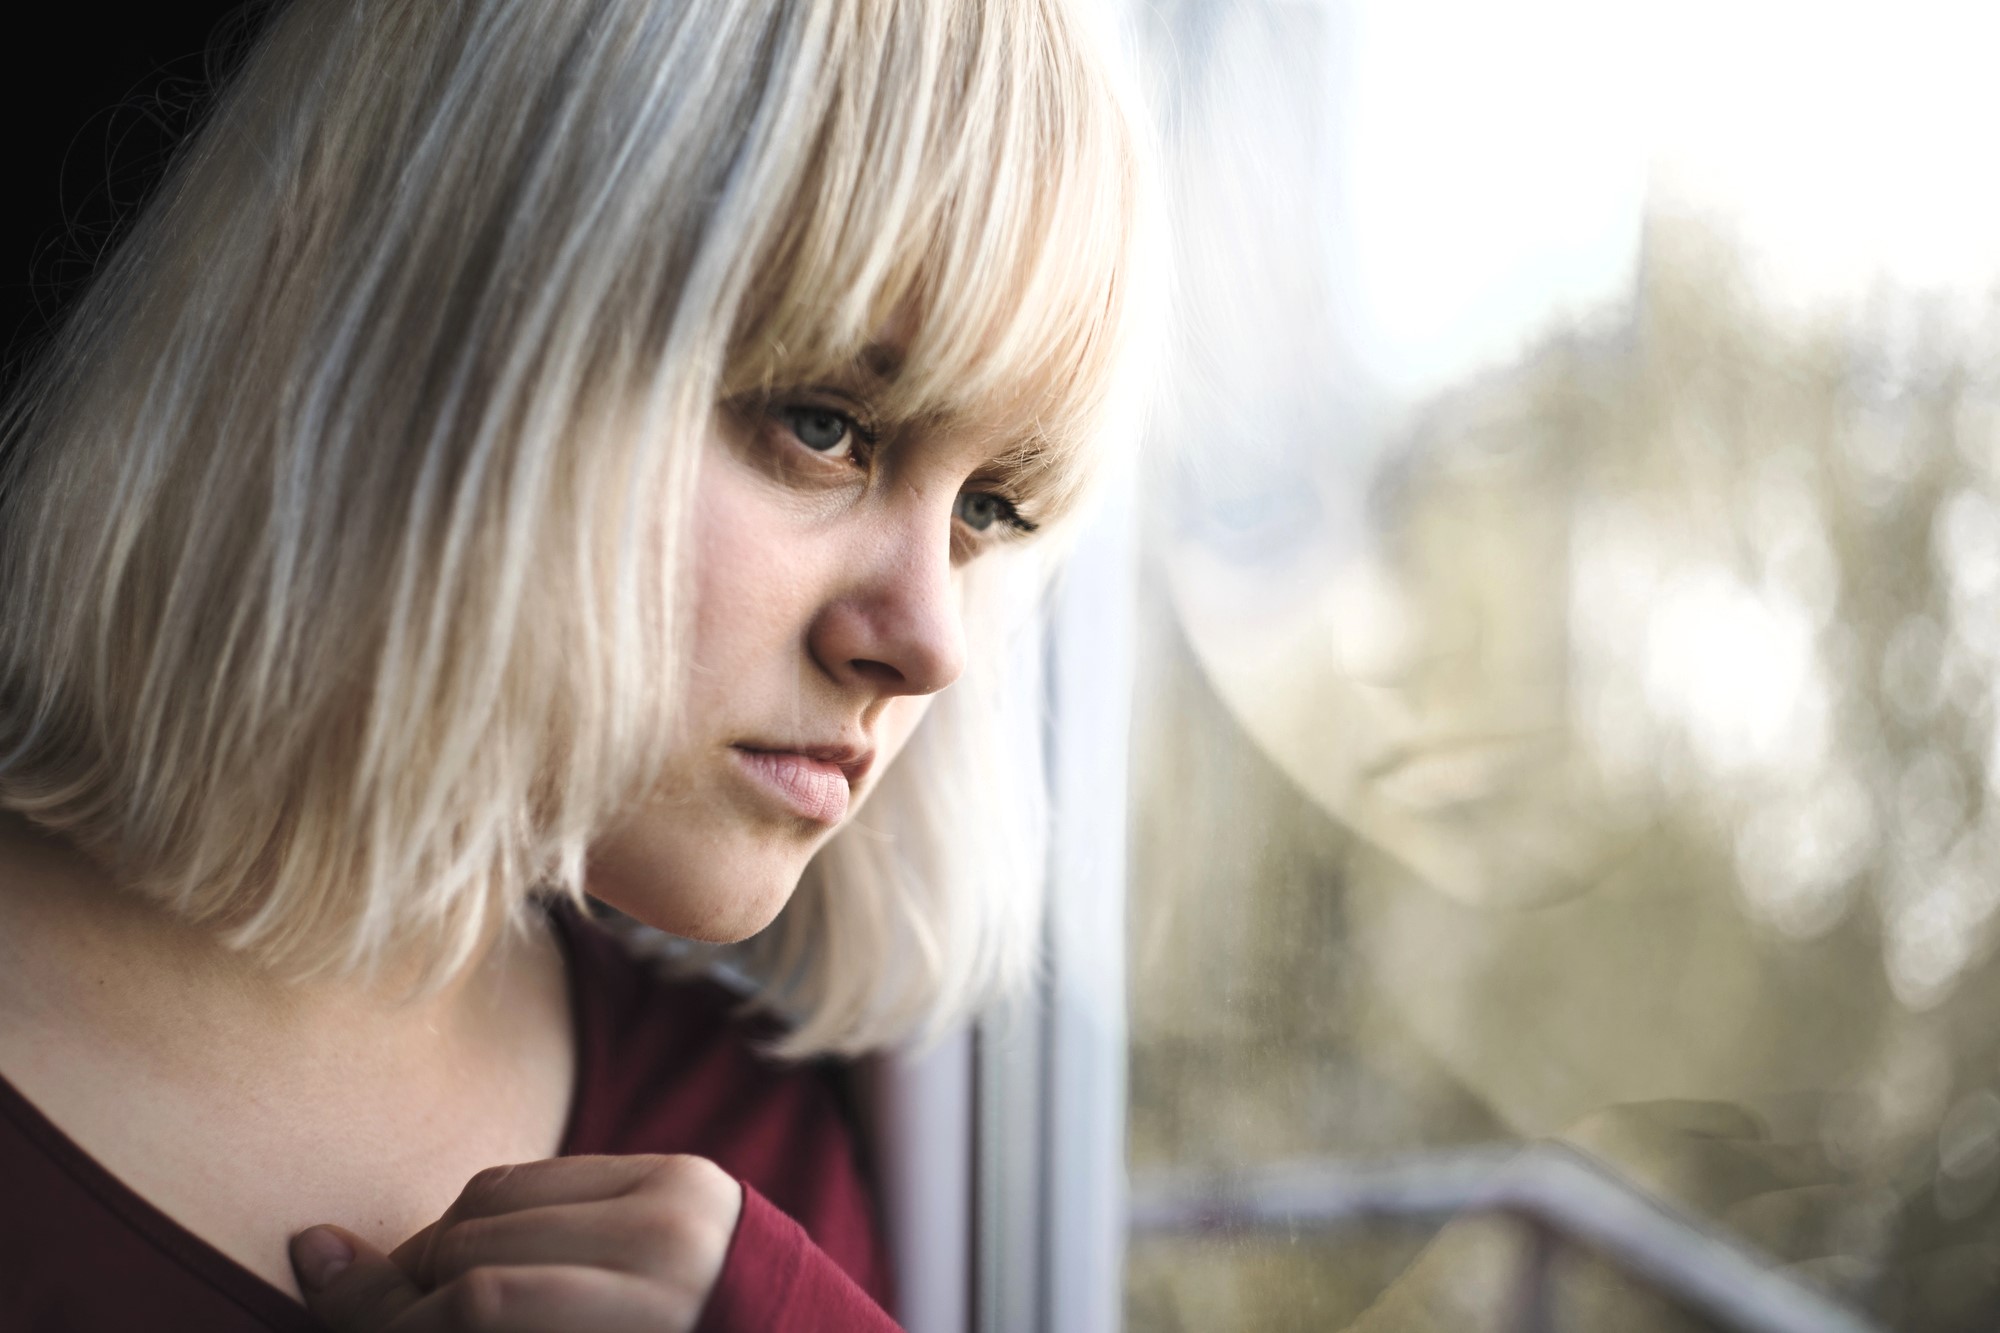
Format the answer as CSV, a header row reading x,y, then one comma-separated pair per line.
x,y
903,387
1003,430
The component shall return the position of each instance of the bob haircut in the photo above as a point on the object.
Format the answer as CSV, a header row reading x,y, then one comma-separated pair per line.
x,y
343,525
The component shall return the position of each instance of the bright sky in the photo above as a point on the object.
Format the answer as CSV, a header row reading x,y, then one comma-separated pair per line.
x,y
1853,141
1496,157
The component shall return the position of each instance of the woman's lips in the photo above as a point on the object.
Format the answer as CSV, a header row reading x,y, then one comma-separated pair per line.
x,y
814,789
1452,774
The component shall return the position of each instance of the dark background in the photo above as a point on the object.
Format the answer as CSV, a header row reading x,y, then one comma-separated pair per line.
x,y
96,104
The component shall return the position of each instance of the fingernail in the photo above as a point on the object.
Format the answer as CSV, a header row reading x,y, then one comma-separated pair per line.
x,y
320,1254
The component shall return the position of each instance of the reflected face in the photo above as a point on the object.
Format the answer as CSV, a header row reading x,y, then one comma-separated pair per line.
x,y
1414,683
827,611
1711,676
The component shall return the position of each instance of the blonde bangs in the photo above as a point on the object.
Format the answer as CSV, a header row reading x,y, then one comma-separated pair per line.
x,y
969,224
971,197
344,530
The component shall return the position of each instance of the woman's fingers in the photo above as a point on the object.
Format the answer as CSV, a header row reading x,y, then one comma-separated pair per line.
x,y
531,1299
600,1243
1741,1170
502,1190
409,1256
1708,1176
1816,1222
1702,1156
633,1235
597,1243
351,1286
555,1180
1715,1120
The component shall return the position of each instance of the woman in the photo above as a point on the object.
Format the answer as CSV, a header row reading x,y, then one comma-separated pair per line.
x,y
528,451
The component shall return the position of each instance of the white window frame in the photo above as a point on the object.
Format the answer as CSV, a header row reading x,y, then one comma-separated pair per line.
x,y
1002,1150
1050,1192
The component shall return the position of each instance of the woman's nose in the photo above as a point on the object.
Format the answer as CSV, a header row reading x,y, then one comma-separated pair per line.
x,y
898,627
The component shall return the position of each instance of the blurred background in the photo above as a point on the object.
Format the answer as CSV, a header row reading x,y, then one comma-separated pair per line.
x,y
1568,628
1570,622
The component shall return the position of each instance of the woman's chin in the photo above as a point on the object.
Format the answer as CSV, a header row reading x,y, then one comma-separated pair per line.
x,y
1518,868
708,908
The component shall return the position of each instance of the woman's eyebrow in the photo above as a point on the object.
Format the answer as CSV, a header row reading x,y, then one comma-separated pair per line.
x,y
882,361
1024,469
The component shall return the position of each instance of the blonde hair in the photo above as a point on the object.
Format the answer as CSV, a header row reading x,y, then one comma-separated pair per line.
x,y
342,528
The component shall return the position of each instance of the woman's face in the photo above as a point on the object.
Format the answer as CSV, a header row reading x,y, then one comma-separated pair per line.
x,y
1416,686
829,550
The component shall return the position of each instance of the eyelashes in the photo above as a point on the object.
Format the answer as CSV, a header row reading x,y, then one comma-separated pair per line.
x,y
843,435
980,510
826,431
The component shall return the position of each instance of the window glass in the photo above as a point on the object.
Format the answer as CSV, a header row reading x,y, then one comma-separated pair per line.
x,y
1570,616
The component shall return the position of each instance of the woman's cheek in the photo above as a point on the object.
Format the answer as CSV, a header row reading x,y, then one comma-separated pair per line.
x,y
900,717
695,872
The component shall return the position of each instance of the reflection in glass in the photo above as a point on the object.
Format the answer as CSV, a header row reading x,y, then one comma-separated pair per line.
x,y
1582,729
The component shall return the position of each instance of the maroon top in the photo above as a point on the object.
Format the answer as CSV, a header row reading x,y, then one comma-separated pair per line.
x,y
662,1067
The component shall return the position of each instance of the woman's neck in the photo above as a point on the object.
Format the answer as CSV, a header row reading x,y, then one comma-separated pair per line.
x,y
75,945
245,1107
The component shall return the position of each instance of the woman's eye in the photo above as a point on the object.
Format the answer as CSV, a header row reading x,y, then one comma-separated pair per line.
x,y
821,429
980,510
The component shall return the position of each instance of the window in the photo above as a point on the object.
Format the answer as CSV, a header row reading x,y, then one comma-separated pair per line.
x,y
1566,572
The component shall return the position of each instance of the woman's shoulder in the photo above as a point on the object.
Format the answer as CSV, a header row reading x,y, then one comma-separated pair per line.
x,y
686,1053
670,1063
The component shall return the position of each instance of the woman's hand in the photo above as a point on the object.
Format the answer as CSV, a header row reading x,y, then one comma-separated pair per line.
x,y
603,1243
1854,1240
1714,1161
1718,1162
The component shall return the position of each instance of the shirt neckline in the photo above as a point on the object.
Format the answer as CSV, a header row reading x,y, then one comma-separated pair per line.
x,y
229,1278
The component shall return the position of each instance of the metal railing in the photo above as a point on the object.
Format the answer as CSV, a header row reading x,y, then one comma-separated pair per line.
x,y
1558,1196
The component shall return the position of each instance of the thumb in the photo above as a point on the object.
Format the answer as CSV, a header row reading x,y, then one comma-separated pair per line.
x,y
349,1284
